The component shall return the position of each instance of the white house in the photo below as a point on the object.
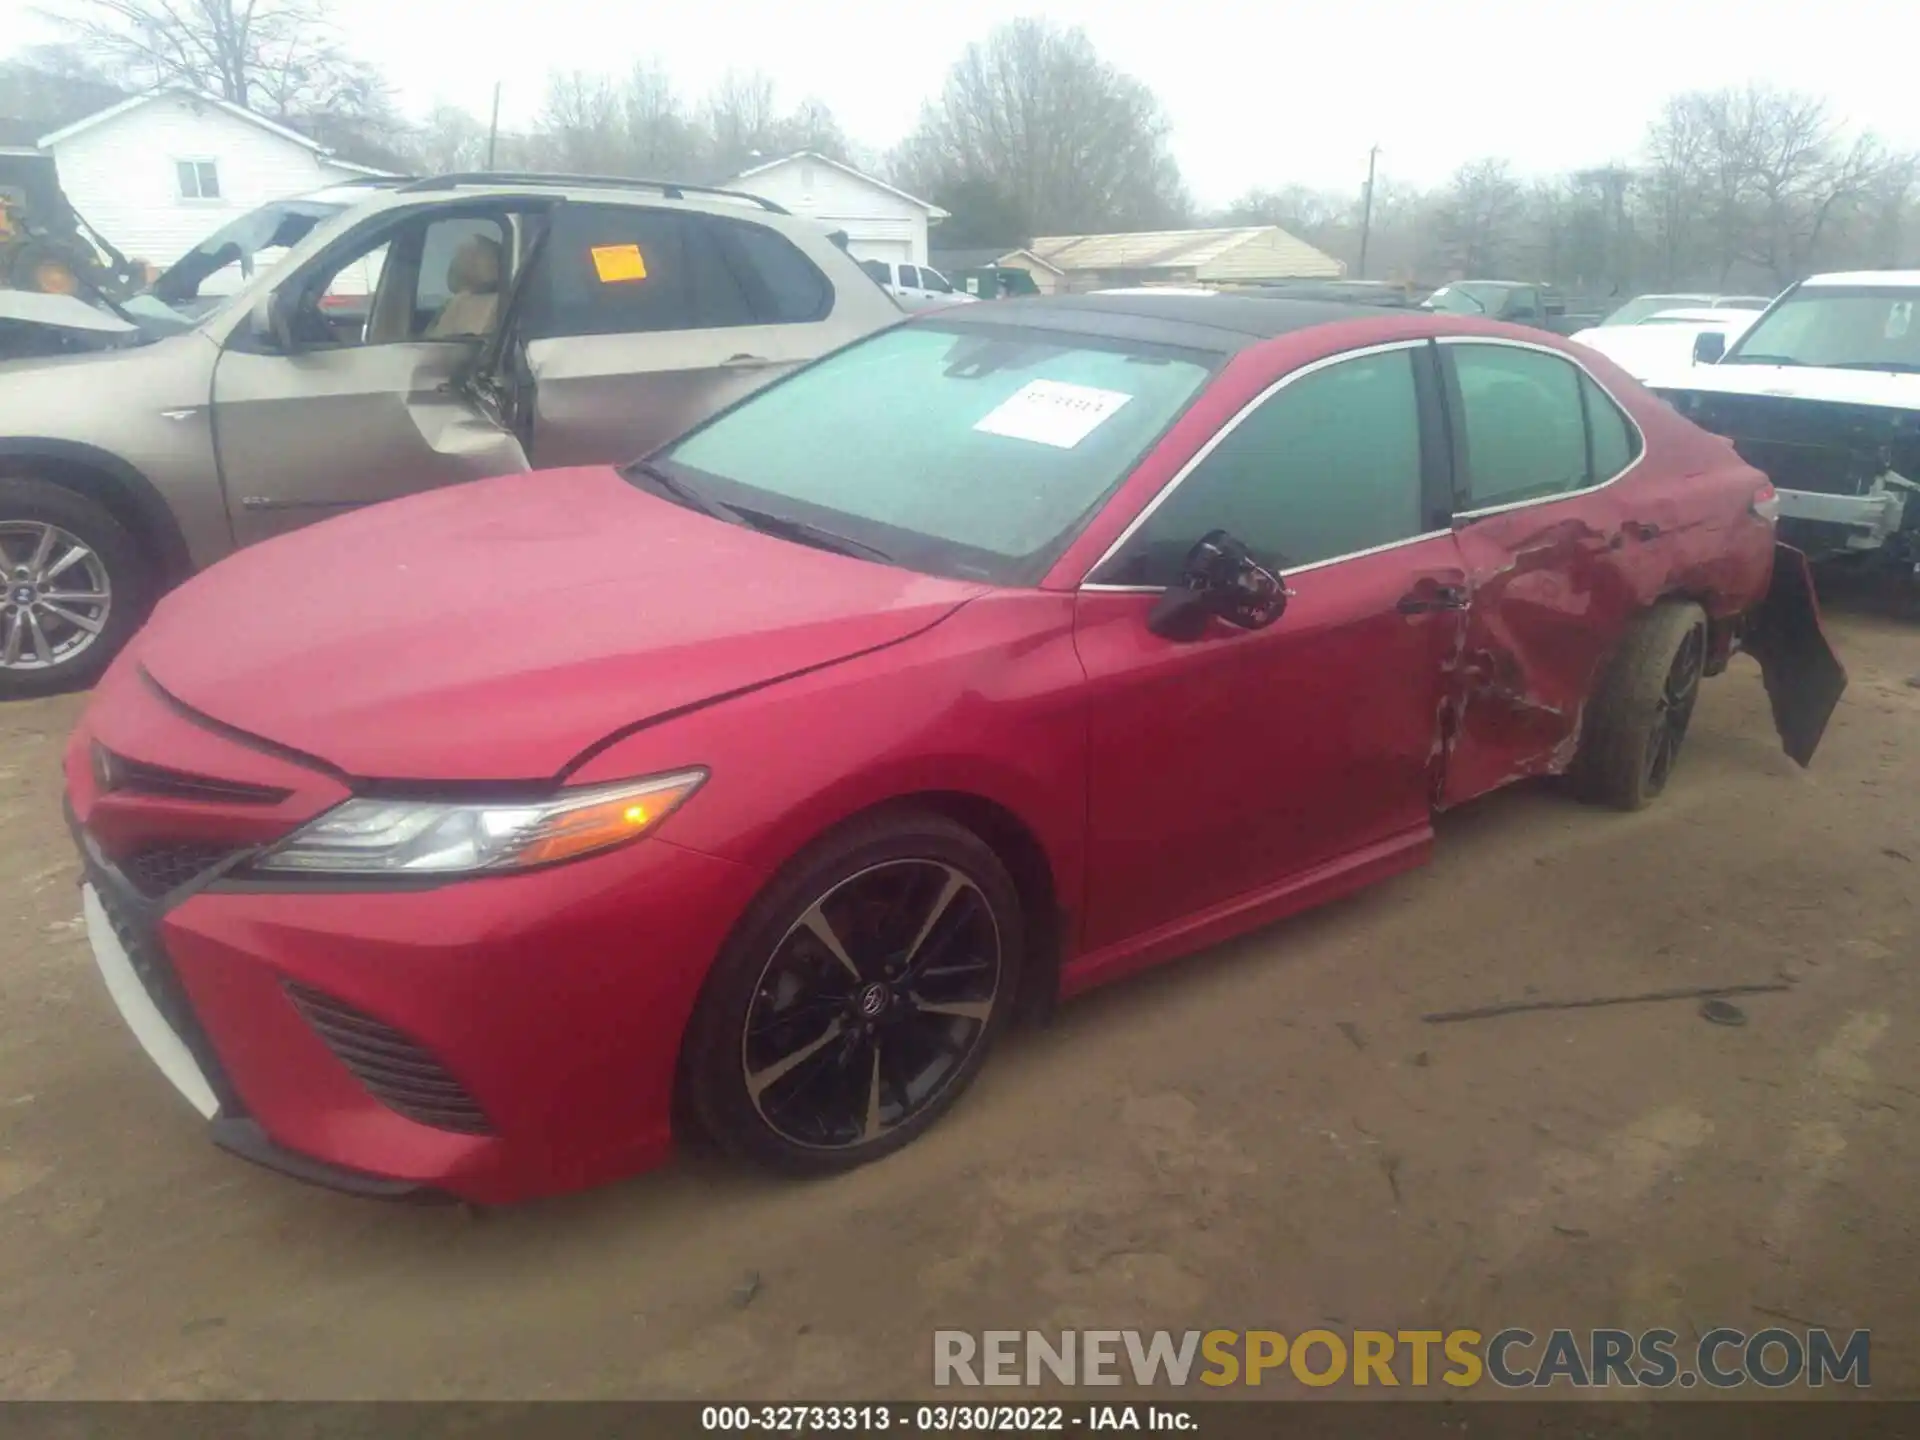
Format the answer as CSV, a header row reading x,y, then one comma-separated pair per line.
x,y
159,172
881,223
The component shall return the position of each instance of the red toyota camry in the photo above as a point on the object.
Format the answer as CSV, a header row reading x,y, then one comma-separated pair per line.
x,y
469,844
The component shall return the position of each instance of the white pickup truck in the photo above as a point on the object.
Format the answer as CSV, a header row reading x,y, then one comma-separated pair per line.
x,y
1822,392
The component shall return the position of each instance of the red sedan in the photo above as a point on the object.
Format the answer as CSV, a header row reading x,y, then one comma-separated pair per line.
x,y
471,843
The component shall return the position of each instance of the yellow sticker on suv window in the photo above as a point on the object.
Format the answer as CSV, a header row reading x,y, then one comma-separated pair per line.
x,y
617,263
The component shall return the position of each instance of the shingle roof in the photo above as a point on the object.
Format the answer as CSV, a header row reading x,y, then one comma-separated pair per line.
x,y
1199,250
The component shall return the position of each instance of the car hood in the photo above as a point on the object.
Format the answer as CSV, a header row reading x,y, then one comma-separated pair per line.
x,y
1893,389
495,630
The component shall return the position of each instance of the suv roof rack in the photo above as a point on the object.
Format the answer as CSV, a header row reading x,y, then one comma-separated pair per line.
x,y
669,189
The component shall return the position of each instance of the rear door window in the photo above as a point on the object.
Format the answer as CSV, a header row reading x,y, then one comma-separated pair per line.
x,y
611,270
1523,421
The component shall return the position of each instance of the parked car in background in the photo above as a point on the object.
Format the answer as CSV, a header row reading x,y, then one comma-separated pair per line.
x,y
1822,392
1643,307
916,287
426,333
462,844
1516,302
1664,343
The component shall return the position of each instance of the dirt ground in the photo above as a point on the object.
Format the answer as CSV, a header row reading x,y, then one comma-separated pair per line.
x,y
1265,1136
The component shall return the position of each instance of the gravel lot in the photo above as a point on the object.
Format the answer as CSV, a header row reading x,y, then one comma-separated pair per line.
x,y
1267,1135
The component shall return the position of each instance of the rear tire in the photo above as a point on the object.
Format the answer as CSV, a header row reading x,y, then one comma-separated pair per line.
x,y
1638,716
76,586
808,1054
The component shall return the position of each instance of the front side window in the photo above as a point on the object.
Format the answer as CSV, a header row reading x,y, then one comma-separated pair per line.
x,y
197,179
1842,327
1523,422
1327,466
969,451
933,280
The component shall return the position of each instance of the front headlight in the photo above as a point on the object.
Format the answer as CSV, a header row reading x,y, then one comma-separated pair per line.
x,y
430,837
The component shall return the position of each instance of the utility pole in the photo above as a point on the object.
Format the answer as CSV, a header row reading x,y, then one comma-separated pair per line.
x,y
493,130
1366,215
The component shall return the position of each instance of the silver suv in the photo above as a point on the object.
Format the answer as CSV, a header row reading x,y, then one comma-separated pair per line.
x,y
407,335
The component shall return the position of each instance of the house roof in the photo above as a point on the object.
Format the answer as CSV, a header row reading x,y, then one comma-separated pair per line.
x,y
201,97
1182,250
934,212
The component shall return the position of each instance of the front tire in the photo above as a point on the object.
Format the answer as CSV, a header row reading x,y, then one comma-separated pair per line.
x,y
1637,719
858,997
75,588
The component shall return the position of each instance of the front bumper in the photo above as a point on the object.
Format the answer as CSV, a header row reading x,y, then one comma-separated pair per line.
x,y
487,1039
123,931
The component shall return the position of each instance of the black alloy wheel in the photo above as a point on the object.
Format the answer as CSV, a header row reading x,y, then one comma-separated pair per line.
x,y
859,998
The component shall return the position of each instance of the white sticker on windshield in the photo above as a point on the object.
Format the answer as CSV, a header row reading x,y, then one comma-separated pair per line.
x,y
1899,319
1052,412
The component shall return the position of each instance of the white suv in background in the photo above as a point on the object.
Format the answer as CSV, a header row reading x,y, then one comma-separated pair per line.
x,y
916,287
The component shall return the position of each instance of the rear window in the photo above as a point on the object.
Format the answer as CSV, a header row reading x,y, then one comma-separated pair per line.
x,y
964,451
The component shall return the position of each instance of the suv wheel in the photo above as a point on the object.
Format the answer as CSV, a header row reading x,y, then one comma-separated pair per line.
x,y
74,587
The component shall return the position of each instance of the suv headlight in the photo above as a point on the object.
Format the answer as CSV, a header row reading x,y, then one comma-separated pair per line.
x,y
430,837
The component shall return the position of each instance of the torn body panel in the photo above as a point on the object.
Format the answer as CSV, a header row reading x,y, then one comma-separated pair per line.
x,y
305,436
1551,594
1803,676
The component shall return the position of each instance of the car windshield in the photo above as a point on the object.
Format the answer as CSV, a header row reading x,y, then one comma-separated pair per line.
x,y
1644,306
1846,327
219,265
971,452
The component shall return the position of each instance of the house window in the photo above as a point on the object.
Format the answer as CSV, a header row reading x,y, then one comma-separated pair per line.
x,y
198,179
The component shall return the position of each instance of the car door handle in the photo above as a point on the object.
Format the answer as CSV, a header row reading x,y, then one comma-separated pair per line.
x,y
1428,598
1638,529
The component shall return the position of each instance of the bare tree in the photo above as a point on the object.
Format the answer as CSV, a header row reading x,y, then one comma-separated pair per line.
x,y
282,58
1479,216
1069,143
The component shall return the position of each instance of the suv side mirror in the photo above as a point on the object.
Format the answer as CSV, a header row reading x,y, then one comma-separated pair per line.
x,y
1219,578
1708,347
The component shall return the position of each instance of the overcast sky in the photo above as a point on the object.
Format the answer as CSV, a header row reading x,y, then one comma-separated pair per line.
x,y
1259,93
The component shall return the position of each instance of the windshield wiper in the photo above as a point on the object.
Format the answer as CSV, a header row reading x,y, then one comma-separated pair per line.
x,y
1742,358
788,528
1892,367
783,526
686,494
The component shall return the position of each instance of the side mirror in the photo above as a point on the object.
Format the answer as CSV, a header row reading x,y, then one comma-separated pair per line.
x,y
272,321
1219,579
1708,347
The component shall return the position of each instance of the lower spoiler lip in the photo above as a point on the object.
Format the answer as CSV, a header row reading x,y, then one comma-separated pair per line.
x,y
1803,676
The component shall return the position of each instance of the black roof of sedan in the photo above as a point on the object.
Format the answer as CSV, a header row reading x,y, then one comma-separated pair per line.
x,y
1220,322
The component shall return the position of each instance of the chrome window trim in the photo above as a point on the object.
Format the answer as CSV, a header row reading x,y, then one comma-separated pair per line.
x,y
1578,365
1199,457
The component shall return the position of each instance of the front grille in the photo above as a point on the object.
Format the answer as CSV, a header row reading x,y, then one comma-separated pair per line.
x,y
157,870
150,963
397,1070
117,772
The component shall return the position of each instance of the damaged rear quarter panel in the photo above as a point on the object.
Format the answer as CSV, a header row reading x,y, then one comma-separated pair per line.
x,y
1555,586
